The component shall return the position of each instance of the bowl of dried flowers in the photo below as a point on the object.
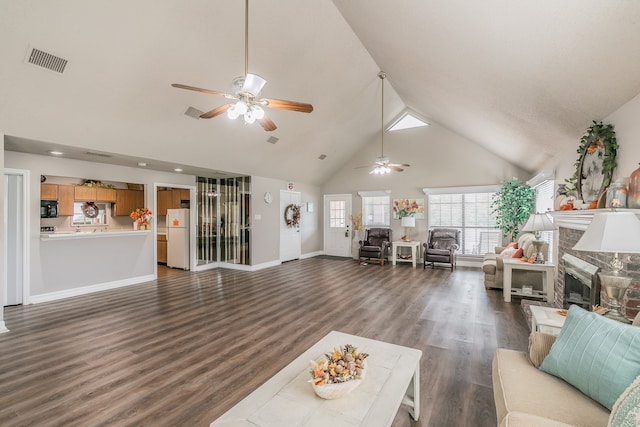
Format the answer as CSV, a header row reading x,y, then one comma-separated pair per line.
x,y
338,373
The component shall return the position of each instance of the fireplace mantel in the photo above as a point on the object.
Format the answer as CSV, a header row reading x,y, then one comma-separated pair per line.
x,y
580,219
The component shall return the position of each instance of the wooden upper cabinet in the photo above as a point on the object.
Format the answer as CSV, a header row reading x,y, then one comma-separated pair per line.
x,y
107,195
66,197
85,194
48,192
128,201
179,194
165,201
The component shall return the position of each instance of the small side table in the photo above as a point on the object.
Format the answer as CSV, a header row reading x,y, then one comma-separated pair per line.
x,y
415,251
546,319
547,270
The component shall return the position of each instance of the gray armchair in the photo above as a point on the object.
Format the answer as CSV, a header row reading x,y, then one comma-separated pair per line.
x,y
441,247
375,244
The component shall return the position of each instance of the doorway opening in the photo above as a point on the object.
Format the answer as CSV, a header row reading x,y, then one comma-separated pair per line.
x,y
16,249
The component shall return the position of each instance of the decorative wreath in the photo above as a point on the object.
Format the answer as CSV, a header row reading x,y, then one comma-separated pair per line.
x,y
292,215
90,210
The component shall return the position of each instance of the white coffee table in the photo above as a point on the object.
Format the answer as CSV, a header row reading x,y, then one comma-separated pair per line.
x,y
415,251
546,319
288,399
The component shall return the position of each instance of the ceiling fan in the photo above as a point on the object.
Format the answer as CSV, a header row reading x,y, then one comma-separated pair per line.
x,y
246,90
381,164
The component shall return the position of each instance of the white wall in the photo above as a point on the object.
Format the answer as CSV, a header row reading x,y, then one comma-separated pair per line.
x,y
627,127
438,158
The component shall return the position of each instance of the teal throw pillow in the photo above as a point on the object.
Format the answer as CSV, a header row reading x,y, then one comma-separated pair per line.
x,y
598,356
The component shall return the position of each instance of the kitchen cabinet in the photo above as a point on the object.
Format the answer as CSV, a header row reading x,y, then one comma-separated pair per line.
x,y
165,201
48,192
128,201
162,249
85,194
106,195
177,195
66,197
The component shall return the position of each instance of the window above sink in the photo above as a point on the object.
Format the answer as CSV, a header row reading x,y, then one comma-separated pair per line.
x,y
89,213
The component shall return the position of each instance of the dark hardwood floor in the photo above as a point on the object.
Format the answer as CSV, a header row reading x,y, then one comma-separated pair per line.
x,y
181,350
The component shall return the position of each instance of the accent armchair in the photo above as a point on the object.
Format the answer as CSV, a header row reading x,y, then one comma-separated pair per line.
x,y
375,245
441,247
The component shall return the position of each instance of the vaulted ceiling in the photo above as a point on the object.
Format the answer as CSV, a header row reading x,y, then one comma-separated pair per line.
x,y
523,79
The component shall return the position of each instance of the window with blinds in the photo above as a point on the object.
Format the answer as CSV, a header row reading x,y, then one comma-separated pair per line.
x,y
375,211
471,213
544,203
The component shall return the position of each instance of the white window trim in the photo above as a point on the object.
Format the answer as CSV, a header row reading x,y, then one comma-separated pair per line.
x,y
374,193
461,190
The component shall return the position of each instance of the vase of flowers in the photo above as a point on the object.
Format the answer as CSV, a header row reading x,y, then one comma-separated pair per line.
x,y
141,219
338,373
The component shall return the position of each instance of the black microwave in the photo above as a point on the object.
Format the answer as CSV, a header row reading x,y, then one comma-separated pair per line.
x,y
48,209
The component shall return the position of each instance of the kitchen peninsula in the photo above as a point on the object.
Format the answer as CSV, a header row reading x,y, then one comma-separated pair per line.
x,y
89,243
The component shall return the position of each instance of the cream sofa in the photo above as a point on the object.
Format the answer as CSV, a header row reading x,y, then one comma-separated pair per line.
x,y
493,266
527,396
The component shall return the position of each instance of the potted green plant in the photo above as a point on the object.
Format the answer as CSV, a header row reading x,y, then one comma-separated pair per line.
x,y
512,205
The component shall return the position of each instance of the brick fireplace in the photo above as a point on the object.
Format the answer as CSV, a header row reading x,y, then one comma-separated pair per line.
x,y
571,228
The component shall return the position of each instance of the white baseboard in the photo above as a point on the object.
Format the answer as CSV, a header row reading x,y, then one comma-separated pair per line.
x,y
67,293
311,254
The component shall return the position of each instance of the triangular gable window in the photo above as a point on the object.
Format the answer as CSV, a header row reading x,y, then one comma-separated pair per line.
x,y
407,120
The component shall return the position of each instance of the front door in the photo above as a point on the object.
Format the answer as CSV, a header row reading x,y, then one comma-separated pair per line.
x,y
337,225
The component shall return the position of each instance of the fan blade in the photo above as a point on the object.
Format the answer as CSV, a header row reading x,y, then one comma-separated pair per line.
x,y
198,89
404,165
281,104
215,111
395,168
267,124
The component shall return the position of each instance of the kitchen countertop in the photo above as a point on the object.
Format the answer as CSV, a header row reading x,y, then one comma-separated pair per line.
x,y
92,235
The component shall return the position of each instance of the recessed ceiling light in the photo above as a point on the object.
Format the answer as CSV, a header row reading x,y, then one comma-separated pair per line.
x,y
177,170
56,153
142,164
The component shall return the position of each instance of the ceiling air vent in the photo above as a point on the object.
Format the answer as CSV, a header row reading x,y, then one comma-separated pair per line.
x,y
194,113
272,140
46,60
93,153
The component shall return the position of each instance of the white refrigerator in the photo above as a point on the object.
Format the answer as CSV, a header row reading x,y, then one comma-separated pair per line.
x,y
178,238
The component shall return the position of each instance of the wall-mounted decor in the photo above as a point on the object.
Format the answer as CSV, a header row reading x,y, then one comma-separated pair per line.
x,y
595,164
408,207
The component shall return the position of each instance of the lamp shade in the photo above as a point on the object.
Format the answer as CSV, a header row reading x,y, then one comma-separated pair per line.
x,y
408,221
611,232
538,222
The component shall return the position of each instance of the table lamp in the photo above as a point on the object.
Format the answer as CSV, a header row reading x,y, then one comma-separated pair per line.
x,y
613,232
536,223
407,222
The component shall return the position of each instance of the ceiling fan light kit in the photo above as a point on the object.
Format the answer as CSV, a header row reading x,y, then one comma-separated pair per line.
x,y
246,90
382,165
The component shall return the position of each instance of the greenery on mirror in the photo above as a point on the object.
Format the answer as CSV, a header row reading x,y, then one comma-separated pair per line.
x,y
512,205
599,139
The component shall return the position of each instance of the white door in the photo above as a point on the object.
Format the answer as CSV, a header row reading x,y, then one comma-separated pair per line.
x,y
337,225
290,241
16,243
